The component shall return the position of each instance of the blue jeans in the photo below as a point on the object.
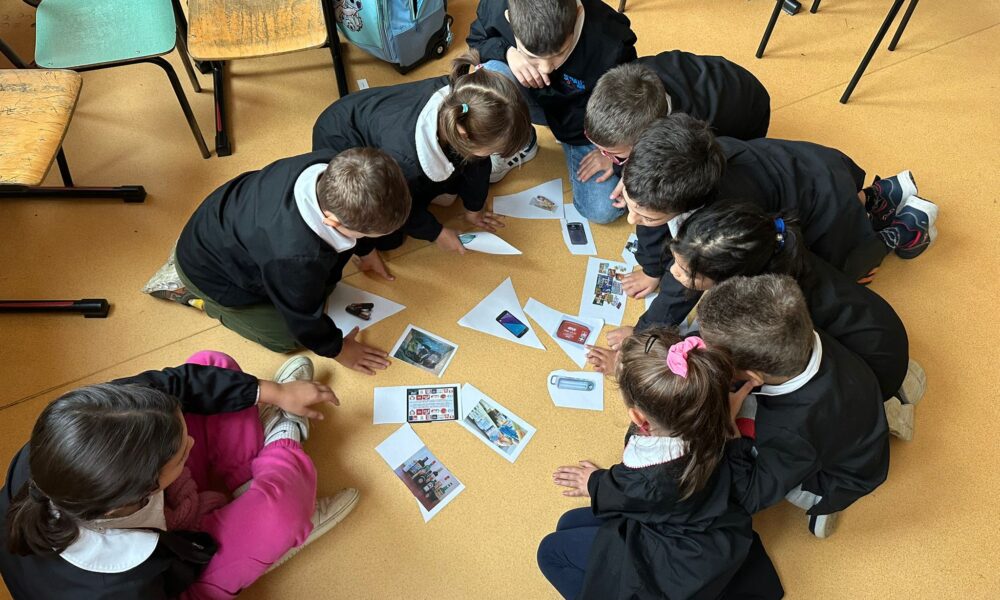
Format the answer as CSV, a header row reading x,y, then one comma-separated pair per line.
x,y
563,555
591,198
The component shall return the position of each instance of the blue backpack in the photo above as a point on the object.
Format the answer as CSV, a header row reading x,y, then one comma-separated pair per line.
x,y
402,32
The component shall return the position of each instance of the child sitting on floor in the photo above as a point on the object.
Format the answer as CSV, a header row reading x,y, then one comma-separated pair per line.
x,y
662,523
678,166
556,50
629,98
821,435
111,496
264,251
442,132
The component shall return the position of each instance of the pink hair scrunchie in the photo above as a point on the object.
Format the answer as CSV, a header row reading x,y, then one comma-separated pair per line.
x,y
678,354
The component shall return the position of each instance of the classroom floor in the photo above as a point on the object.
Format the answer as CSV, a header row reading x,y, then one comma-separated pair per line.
x,y
929,532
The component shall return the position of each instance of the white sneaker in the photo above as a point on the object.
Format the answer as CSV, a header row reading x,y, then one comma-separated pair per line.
x,y
281,425
900,418
329,512
503,165
914,385
296,368
823,526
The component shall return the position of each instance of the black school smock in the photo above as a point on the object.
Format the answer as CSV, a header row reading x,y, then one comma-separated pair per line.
x,y
819,185
653,544
388,118
861,320
824,429
179,556
606,41
248,244
713,89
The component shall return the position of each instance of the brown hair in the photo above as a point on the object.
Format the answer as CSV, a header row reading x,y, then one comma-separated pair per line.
x,y
763,320
366,190
488,107
694,408
542,26
625,102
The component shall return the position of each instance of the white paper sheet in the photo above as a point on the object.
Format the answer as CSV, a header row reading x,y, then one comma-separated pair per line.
x,y
390,402
519,204
336,307
571,215
486,242
484,316
404,445
574,394
603,296
548,320
497,434
649,299
426,351
628,255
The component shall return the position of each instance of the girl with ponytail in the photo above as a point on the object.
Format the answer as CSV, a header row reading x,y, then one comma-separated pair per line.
x,y
661,523
442,132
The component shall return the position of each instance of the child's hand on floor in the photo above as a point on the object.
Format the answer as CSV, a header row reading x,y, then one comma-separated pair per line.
x,y
361,357
575,478
602,359
448,241
617,336
372,263
594,163
484,219
298,397
639,285
525,72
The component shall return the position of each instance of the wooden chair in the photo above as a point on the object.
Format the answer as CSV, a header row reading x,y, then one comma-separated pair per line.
x,y
35,109
224,30
98,34
879,36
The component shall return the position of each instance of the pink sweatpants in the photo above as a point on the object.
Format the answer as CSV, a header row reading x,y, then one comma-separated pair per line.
x,y
272,517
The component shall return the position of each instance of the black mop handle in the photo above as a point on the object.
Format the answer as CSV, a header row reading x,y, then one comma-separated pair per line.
x,y
88,307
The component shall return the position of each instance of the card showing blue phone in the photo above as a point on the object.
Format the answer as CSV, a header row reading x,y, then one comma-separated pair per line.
x,y
512,323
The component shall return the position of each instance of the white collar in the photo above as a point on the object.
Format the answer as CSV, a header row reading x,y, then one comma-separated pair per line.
x,y
646,451
117,545
308,204
675,223
433,161
802,378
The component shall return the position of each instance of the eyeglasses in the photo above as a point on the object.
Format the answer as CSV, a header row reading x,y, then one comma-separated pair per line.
x,y
617,161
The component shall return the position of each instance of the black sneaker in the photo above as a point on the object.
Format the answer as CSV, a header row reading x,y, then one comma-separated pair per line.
x,y
884,198
912,231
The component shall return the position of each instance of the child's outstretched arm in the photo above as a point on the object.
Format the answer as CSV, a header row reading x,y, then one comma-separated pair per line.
x,y
201,389
762,476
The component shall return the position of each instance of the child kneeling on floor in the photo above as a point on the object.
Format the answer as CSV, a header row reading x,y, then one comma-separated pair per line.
x,y
111,497
662,524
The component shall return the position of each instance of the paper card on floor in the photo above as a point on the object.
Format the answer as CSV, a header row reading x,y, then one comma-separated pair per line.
x,y
549,320
417,404
540,202
431,483
348,305
504,432
628,253
489,243
603,296
500,315
581,233
424,350
577,389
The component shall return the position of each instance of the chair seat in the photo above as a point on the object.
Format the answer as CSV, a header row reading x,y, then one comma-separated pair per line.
x,y
82,33
36,109
233,29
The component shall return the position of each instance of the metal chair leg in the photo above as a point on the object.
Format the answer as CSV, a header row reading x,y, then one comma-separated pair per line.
x,y
128,193
769,28
182,100
91,308
67,178
879,36
814,7
902,24
223,147
12,56
186,61
333,41
621,6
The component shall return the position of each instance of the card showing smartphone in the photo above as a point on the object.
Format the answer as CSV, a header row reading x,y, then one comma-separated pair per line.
x,y
577,234
571,331
512,323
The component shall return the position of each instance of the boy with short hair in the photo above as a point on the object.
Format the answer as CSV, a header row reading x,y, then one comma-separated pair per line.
x,y
556,50
821,435
679,166
264,251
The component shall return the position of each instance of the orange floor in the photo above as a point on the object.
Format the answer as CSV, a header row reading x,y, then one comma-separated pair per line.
x,y
929,532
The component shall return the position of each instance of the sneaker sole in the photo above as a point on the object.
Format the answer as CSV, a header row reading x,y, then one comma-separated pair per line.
x,y
321,529
931,210
900,418
914,384
823,526
908,185
498,176
284,373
